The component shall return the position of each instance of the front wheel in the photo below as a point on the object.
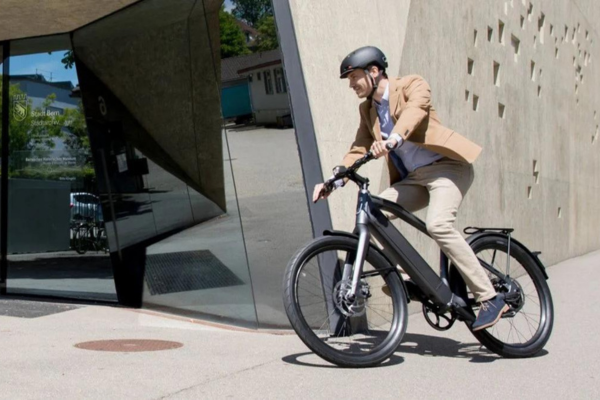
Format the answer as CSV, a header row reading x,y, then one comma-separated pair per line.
x,y
349,332
81,239
526,327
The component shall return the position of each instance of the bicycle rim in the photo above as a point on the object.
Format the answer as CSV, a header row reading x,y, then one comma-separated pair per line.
x,y
352,329
528,321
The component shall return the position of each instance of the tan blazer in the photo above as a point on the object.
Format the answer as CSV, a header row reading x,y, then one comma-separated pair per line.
x,y
415,120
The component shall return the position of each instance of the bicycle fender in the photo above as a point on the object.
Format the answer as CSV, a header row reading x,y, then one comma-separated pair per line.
x,y
381,253
534,254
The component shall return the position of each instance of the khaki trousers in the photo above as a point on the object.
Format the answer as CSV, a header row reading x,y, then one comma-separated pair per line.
x,y
442,186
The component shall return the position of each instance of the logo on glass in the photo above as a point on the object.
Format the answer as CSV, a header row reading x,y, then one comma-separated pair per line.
x,y
20,107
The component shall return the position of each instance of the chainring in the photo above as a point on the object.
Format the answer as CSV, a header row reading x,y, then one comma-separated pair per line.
x,y
439,325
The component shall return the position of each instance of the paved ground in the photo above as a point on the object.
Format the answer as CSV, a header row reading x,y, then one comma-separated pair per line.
x,y
38,358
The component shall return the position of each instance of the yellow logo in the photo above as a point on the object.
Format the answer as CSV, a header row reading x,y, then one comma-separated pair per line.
x,y
20,107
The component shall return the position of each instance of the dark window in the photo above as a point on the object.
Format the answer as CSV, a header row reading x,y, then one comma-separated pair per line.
x,y
268,82
280,81
86,199
258,75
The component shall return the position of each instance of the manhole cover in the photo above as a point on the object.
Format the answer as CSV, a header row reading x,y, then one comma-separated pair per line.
x,y
129,345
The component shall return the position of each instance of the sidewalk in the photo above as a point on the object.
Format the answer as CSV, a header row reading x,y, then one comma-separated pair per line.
x,y
38,359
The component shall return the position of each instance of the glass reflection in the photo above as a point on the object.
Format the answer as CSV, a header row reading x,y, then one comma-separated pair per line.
x,y
57,242
2,268
264,152
153,110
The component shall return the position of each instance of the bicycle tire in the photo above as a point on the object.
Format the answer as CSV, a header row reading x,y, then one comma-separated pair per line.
x,y
80,240
103,240
488,337
299,323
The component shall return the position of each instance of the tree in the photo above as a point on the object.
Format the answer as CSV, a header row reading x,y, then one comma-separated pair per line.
x,y
76,139
32,133
68,59
37,128
267,34
233,41
252,11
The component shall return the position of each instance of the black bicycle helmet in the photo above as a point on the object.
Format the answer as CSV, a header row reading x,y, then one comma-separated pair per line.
x,y
361,59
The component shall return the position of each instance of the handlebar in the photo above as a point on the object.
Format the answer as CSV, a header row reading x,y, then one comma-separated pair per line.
x,y
350,172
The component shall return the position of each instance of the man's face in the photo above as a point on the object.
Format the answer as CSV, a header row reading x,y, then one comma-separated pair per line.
x,y
358,81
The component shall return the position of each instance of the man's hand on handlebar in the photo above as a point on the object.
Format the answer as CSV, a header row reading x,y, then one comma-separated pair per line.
x,y
320,192
323,190
383,147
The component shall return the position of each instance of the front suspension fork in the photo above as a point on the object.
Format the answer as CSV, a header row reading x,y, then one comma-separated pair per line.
x,y
361,253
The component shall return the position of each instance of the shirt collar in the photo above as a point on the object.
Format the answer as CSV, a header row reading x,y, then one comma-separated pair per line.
x,y
386,94
385,97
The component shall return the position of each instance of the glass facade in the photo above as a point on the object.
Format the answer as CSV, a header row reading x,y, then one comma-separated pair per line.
x,y
165,155
56,242
2,183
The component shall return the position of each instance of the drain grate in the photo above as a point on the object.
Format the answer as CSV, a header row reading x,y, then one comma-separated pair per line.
x,y
32,309
186,271
129,345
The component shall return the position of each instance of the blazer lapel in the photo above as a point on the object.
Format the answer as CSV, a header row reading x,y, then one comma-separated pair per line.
x,y
375,123
394,98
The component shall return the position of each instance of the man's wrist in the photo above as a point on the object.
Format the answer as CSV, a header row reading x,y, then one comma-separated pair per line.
x,y
397,138
337,184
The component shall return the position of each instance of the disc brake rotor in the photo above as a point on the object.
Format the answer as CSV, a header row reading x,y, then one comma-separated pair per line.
x,y
350,307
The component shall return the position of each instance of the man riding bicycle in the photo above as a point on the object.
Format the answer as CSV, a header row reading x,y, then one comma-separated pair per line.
x,y
429,164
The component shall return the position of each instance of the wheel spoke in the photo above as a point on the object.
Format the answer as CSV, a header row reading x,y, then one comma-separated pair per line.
x,y
529,324
387,312
532,299
529,317
518,332
312,304
308,291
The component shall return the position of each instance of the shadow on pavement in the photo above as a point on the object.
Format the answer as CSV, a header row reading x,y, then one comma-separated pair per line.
x,y
243,127
63,267
436,346
424,345
294,359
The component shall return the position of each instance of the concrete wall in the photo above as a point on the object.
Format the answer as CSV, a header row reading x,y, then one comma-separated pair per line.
x,y
537,122
27,18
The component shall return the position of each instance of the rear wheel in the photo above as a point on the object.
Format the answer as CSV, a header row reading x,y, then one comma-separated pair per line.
x,y
346,331
102,240
526,327
81,240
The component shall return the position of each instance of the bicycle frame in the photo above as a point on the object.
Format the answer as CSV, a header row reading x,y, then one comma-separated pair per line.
x,y
370,220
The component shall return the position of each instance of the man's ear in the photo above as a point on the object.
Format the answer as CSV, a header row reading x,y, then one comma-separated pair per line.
x,y
374,71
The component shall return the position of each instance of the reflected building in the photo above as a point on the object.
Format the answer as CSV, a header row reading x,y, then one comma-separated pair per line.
x,y
188,160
